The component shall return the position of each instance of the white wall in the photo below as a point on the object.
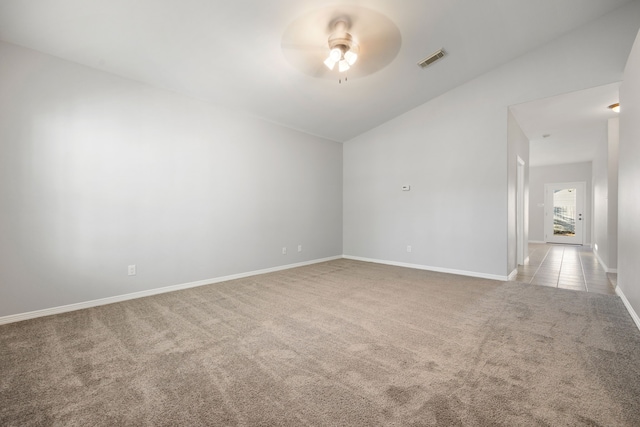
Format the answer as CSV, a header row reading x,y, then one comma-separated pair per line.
x,y
600,190
99,172
613,144
453,152
541,175
629,183
605,198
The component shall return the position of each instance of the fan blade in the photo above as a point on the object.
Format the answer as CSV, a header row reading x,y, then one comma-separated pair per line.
x,y
296,46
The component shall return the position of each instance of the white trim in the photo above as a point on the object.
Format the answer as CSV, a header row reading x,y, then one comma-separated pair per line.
x,y
513,275
602,264
521,244
537,241
119,298
606,268
429,268
627,304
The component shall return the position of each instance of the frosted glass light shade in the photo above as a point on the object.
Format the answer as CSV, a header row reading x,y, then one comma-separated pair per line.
x,y
350,57
330,63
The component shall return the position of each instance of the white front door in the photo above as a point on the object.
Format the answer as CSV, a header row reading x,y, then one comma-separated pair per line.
x,y
564,212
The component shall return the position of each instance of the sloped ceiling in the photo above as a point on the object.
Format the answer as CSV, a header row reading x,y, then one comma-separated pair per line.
x,y
229,52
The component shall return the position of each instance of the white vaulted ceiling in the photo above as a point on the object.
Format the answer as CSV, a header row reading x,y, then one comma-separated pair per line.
x,y
229,52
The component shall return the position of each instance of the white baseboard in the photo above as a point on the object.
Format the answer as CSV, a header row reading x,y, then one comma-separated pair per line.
x,y
627,304
513,275
429,268
600,261
119,298
537,241
603,265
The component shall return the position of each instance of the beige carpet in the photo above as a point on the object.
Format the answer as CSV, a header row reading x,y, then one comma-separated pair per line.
x,y
342,343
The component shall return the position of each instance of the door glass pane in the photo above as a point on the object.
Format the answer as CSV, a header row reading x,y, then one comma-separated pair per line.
x,y
564,212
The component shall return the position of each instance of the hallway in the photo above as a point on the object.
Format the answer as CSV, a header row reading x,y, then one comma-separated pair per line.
x,y
566,267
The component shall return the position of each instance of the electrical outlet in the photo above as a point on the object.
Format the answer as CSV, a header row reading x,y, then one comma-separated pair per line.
x,y
284,250
299,248
408,248
132,270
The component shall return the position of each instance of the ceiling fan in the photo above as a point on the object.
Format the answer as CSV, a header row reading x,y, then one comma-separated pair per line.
x,y
336,42
343,49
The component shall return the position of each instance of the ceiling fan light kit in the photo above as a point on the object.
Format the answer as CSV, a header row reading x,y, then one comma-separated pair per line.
x,y
342,49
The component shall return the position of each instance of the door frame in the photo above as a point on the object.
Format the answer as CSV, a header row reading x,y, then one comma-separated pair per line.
x,y
581,189
520,241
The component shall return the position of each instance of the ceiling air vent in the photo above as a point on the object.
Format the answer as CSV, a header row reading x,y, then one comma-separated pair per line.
x,y
432,58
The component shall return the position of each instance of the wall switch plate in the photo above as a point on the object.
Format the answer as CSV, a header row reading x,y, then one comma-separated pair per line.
x,y
284,250
299,248
409,248
131,270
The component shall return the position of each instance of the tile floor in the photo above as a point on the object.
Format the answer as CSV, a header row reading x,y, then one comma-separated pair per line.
x,y
567,267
